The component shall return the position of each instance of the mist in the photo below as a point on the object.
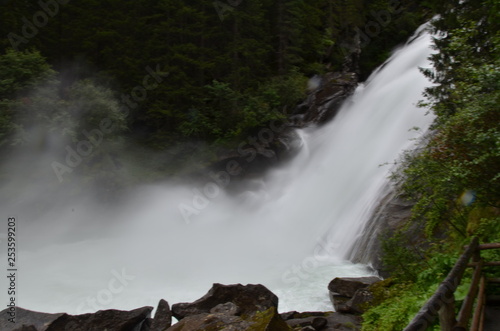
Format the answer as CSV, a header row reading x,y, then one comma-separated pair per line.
x,y
80,249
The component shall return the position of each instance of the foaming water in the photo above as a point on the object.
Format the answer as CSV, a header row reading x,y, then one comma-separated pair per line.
x,y
290,232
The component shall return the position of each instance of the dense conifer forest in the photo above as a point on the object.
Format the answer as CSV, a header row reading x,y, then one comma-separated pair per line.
x,y
227,67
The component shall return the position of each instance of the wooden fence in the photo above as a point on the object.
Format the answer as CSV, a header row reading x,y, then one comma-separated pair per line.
x,y
442,302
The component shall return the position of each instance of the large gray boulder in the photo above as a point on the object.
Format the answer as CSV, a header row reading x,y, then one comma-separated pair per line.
x,y
248,298
343,290
357,304
347,286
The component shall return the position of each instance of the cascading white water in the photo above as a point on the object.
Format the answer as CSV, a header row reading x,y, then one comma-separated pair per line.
x,y
290,234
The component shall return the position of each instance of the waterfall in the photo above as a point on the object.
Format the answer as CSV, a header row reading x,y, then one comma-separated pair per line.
x,y
291,230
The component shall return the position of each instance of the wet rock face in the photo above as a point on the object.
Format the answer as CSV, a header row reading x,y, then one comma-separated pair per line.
x,y
324,102
279,141
247,298
391,214
349,295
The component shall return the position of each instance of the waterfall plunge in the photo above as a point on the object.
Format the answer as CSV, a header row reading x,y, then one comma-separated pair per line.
x,y
291,233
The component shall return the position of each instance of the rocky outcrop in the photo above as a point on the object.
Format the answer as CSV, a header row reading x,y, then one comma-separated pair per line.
x,y
235,307
27,319
358,302
162,320
227,308
248,299
347,286
112,320
350,295
267,320
323,103
224,307
210,322
103,320
390,215
324,321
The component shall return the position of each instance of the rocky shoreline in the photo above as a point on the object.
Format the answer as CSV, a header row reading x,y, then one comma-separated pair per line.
x,y
225,307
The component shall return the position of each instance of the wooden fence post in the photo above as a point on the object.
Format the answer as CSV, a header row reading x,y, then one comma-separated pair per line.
x,y
447,314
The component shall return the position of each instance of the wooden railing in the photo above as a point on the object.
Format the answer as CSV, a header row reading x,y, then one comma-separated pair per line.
x,y
442,302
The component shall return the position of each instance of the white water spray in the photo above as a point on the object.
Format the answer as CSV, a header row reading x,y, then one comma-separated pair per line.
x,y
291,234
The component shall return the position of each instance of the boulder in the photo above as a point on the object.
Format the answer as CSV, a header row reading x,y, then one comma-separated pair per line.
x,y
227,308
115,320
208,321
112,320
359,301
324,321
338,301
249,298
299,322
343,290
163,317
319,323
27,320
294,314
268,320
288,315
343,322
347,286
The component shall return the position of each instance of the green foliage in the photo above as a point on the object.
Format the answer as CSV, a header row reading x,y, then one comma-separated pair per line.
x,y
19,73
402,302
454,178
255,44
227,114
46,117
91,104
415,278
401,259
463,154
437,265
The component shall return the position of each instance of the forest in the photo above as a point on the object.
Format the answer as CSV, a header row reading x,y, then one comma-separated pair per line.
x,y
223,69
